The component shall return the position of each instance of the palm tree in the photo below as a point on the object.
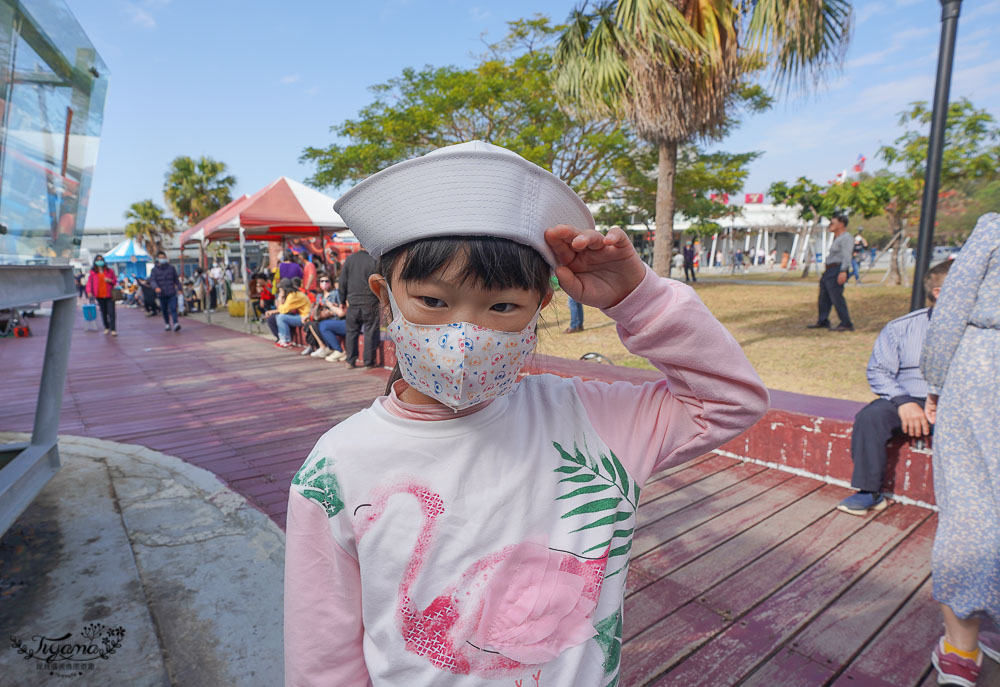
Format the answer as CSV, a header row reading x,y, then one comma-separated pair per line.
x,y
194,189
149,223
674,68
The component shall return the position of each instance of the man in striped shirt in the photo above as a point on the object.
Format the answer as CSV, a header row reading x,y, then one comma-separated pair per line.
x,y
894,375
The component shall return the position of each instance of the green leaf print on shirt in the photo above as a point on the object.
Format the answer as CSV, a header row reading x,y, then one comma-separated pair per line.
x,y
609,638
599,476
320,486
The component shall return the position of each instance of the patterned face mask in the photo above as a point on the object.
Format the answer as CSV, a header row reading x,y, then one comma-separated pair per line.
x,y
459,364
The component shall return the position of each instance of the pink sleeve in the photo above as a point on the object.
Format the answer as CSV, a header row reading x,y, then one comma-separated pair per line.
x,y
323,625
709,393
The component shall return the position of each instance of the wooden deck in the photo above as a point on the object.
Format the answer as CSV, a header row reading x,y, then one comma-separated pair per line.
x,y
740,574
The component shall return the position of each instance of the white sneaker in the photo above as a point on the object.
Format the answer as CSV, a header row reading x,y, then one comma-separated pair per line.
x,y
166,328
336,356
322,352
306,351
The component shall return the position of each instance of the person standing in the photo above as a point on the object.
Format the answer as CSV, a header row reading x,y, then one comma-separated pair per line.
x,y
689,256
831,284
858,254
166,284
308,275
575,316
101,287
961,363
363,313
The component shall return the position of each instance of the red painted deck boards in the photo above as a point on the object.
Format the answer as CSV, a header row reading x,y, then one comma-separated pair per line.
x,y
740,574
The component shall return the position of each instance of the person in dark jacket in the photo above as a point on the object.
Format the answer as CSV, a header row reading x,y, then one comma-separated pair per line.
x,y
689,254
363,314
165,282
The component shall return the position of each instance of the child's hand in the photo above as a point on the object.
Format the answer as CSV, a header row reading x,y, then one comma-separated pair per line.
x,y
595,270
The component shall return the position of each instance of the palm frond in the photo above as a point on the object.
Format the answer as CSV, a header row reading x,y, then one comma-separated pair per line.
x,y
804,38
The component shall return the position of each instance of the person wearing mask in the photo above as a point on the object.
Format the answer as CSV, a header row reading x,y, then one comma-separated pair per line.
x,y
363,314
292,310
831,284
166,283
101,287
326,321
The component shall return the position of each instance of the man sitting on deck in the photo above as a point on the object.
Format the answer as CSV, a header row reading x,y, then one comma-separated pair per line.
x,y
893,374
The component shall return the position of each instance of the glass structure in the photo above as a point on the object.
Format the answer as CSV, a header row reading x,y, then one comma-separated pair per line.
x,y
53,85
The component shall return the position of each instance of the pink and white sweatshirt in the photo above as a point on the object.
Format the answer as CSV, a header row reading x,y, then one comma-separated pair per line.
x,y
492,548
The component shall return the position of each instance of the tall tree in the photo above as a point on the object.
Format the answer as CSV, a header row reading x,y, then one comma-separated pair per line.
x,y
507,99
810,199
194,189
700,175
149,224
674,69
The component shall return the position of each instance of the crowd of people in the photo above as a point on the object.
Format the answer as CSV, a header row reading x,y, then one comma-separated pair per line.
x,y
332,308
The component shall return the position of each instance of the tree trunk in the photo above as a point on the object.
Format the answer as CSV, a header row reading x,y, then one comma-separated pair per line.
x,y
663,245
808,250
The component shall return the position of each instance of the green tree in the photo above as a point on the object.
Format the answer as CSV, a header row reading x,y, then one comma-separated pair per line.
x,y
507,99
675,70
971,152
149,224
700,174
812,203
194,189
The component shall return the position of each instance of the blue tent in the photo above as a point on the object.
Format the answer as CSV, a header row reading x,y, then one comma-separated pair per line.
x,y
131,257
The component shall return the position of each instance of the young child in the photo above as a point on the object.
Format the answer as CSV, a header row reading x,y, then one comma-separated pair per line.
x,y
468,528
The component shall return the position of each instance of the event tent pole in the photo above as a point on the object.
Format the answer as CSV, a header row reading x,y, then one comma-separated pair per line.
x,y
204,283
246,281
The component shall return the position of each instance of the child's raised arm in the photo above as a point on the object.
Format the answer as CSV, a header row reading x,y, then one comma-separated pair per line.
x,y
323,623
709,393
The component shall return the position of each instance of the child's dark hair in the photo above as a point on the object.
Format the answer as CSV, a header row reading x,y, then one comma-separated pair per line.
x,y
490,262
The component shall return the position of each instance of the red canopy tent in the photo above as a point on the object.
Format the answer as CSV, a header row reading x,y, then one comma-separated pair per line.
x,y
282,208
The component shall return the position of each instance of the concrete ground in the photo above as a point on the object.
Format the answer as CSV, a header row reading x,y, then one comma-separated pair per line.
x,y
127,538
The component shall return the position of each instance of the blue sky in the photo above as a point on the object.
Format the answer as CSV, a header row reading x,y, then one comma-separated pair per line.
x,y
252,83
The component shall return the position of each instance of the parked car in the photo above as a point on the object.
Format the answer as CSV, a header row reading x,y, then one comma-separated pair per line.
x,y
942,253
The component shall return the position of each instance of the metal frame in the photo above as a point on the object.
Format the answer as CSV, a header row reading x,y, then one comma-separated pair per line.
x,y
25,468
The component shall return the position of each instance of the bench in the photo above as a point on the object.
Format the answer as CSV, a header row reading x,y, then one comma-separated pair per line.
x,y
805,435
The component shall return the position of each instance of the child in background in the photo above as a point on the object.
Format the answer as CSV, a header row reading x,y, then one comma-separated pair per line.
x,y
468,527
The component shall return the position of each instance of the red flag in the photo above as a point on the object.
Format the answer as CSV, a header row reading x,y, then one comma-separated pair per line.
x,y
720,198
860,164
751,198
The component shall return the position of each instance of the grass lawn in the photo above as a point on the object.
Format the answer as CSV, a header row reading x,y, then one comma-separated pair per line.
x,y
769,322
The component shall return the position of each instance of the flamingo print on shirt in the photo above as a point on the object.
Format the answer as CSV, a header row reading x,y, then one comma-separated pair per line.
x,y
519,606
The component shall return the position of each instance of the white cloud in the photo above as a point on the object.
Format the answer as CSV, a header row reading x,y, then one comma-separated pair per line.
x,y
139,16
898,41
979,81
313,91
290,78
870,10
987,8
478,13
141,11
895,95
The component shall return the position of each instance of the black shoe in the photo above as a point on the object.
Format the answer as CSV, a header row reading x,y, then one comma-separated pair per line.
x,y
818,325
844,327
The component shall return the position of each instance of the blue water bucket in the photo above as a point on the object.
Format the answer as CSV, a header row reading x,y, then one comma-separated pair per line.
x,y
89,312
